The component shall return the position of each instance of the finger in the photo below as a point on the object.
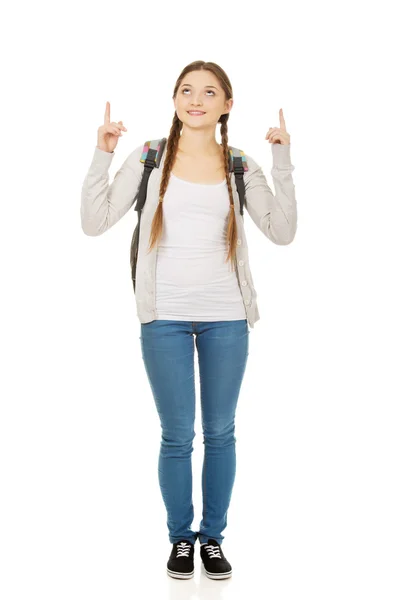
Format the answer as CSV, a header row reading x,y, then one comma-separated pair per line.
x,y
122,125
271,130
113,129
282,120
119,125
107,114
275,137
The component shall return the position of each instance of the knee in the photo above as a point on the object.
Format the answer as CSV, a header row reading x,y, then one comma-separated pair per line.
x,y
219,433
178,437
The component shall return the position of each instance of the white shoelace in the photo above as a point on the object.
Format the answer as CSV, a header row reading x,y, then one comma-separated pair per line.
x,y
183,549
213,551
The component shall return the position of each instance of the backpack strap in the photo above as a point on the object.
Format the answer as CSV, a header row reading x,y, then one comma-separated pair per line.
x,y
153,150
151,157
238,164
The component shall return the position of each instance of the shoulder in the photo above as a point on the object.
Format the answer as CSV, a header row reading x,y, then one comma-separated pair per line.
x,y
133,161
249,163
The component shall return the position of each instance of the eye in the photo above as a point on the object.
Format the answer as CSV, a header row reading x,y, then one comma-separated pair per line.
x,y
188,90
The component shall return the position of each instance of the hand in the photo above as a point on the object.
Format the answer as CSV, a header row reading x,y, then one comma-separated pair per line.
x,y
108,134
278,135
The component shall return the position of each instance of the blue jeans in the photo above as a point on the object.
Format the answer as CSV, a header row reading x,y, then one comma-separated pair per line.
x,y
168,355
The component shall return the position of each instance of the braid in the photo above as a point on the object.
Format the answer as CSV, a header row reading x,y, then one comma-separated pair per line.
x,y
231,234
172,147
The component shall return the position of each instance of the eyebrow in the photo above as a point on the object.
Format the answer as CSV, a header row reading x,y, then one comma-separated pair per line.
x,y
189,85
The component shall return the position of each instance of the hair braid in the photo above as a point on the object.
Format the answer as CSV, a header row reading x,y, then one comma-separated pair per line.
x,y
171,150
231,233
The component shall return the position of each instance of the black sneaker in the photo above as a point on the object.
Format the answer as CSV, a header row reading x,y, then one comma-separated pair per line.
x,y
215,564
181,560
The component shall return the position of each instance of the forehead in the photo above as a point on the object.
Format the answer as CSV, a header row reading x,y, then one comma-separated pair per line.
x,y
201,79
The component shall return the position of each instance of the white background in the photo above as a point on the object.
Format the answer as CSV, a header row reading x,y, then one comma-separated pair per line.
x,y
315,506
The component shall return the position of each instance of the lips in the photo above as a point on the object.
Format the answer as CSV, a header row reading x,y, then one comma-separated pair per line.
x,y
196,112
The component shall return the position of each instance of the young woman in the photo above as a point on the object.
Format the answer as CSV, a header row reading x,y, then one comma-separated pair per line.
x,y
199,298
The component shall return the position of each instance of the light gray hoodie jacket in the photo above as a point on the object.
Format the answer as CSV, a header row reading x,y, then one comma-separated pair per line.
x,y
103,204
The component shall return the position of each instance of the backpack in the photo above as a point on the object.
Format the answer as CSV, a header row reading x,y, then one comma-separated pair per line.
x,y
151,157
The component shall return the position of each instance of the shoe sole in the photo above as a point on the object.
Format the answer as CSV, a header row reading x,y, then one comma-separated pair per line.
x,y
178,575
217,575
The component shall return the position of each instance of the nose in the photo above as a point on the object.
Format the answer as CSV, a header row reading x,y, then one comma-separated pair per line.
x,y
196,103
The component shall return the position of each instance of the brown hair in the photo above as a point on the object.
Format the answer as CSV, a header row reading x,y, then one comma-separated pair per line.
x,y
172,147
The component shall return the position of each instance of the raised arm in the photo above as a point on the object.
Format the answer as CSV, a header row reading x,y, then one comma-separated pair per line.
x,y
275,215
104,204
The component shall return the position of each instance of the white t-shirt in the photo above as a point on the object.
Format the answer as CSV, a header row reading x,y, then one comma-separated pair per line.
x,y
193,283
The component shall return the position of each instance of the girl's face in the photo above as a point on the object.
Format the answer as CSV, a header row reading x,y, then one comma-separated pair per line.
x,y
201,90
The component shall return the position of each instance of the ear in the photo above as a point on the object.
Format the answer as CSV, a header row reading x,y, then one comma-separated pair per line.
x,y
228,106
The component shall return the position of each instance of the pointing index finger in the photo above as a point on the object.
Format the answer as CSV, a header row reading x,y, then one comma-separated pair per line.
x,y
107,114
282,120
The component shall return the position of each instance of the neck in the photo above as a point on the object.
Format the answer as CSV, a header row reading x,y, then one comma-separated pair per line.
x,y
198,143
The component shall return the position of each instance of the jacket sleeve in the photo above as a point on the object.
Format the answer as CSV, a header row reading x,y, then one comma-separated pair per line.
x,y
103,204
275,215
